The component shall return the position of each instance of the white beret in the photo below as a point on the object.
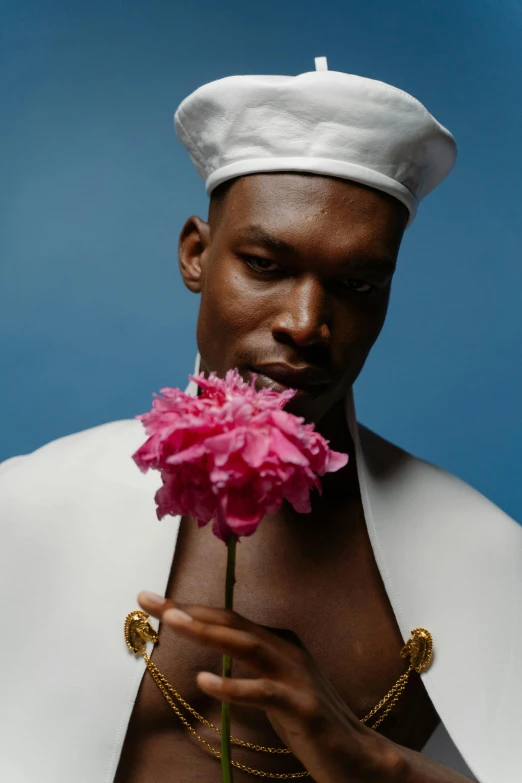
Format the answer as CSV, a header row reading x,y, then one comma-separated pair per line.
x,y
325,122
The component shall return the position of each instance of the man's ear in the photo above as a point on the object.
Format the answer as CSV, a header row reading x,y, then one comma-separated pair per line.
x,y
194,240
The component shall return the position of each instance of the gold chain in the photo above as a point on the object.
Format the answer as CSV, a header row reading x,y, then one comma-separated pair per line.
x,y
396,691
162,685
138,631
160,679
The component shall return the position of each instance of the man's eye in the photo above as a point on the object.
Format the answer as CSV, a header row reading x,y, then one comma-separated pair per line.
x,y
358,286
261,264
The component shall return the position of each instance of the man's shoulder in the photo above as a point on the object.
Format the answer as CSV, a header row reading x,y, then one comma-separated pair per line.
x,y
104,447
76,483
427,482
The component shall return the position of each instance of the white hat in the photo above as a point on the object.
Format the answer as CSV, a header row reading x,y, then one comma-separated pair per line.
x,y
325,122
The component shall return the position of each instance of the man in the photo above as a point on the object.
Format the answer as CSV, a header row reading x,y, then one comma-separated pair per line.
x,y
313,180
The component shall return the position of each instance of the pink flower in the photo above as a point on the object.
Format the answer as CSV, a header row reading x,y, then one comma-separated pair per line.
x,y
232,454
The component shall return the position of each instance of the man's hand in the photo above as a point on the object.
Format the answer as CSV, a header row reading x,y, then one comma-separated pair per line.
x,y
304,708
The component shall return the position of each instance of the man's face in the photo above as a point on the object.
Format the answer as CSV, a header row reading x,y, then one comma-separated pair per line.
x,y
294,278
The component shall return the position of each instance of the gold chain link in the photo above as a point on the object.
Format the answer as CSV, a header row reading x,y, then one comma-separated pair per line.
x,y
419,648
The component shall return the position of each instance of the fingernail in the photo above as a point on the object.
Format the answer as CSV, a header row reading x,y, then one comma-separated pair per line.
x,y
177,614
153,598
210,679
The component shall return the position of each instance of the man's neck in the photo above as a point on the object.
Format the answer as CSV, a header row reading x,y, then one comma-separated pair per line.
x,y
339,489
334,427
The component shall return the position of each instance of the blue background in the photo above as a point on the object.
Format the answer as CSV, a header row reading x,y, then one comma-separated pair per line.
x,y
95,189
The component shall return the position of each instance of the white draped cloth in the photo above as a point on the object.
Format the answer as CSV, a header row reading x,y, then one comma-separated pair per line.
x,y
79,530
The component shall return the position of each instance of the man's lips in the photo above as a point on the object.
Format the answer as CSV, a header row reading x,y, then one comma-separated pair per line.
x,y
304,377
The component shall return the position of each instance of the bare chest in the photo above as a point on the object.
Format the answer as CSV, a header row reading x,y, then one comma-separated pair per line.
x,y
326,594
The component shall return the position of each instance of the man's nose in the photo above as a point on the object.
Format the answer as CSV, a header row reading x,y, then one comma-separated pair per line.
x,y
303,317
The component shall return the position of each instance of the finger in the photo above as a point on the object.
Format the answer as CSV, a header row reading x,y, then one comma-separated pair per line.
x,y
156,605
153,603
264,694
262,658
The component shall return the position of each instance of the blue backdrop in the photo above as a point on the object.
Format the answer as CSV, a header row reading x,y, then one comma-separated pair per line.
x,y
95,189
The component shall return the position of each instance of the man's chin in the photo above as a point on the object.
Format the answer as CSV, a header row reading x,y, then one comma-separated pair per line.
x,y
310,409
311,403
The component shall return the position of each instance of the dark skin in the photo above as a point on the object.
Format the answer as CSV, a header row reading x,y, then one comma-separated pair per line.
x,y
303,297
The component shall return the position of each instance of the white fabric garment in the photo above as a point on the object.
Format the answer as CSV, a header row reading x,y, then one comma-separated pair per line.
x,y
80,539
324,122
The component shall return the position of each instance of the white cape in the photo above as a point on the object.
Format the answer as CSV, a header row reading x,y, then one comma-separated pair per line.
x,y
80,539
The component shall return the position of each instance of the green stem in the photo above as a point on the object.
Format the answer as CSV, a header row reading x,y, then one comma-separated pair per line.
x,y
226,766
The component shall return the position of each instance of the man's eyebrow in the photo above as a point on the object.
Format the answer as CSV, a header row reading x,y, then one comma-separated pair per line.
x,y
382,263
256,233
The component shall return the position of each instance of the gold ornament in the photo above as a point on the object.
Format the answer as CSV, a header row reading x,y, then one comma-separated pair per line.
x,y
420,649
138,631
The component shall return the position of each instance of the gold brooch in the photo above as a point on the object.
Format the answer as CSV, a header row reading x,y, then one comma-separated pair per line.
x,y
138,631
420,649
